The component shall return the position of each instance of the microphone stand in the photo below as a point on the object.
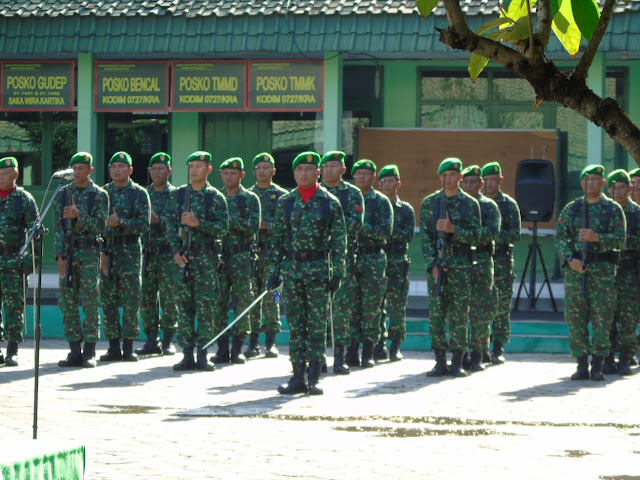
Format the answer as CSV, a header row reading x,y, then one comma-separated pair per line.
x,y
36,232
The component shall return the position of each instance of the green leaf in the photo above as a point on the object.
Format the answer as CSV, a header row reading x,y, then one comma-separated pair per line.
x,y
491,24
518,9
476,65
518,31
425,7
564,26
586,14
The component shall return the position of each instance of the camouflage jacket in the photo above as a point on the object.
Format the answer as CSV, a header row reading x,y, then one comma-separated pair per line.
x,y
209,207
464,213
161,202
352,203
490,231
133,207
404,227
315,226
510,222
631,250
244,218
93,204
268,199
18,211
378,220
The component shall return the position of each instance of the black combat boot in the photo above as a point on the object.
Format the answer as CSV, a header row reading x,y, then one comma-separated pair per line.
x,y
486,356
12,354
476,361
236,351
152,345
380,350
610,366
89,355
222,355
296,383
270,350
440,368
596,368
253,350
114,354
394,351
633,361
367,354
127,351
202,363
339,367
582,372
187,362
624,367
1,358
456,365
466,361
74,358
167,343
497,356
314,377
352,358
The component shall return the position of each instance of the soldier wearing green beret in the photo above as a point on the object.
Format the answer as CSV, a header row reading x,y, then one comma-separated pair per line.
x,y
510,227
130,209
196,222
601,239
398,262
238,250
461,227
626,317
352,203
371,265
80,214
308,253
269,193
635,183
160,273
483,299
18,211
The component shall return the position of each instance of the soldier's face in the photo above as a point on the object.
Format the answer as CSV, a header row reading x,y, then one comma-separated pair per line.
x,y
264,171
8,177
306,175
198,170
472,185
159,173
450,178
81,172
492,184
332,171
364,179
592,184
620,192
120,171
231,177
390,186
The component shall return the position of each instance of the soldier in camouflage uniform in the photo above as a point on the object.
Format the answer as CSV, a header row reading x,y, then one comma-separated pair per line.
x,y
269,193
352,203
371,265
510,227
196,221
160,272
483,299
238,260
623,336
80,214
398,262
309,230
129,218
462,226
635,183
605,235
18,211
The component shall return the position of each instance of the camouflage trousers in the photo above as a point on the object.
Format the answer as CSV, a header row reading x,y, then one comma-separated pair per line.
x,y
503,280
122,290
159,292
265,317
343,307
371,283
451,307
84,290
12,300
235,286
306,303
626,317
197,301
482,304
595,308
396,298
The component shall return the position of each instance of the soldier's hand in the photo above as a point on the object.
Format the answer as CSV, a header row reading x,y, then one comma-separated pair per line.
x,y
113,220
71,211
104,263
181,259
273,282
188,218
576,265
588,235
434,272
154,218
445,225
62,266
263,226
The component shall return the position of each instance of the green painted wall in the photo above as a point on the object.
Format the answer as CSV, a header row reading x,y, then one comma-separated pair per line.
x,y
185,137
400,94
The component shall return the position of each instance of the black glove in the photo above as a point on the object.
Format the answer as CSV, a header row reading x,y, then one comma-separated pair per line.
x,y
273,282
334,283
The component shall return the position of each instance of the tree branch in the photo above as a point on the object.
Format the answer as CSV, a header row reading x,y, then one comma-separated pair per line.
x,y
544,23
581,70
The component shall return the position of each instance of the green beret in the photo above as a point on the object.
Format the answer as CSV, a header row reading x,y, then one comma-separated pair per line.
x,y
161,157
201,156
81,157
635,173
336,155
306,157
619,175
8,162
363,164
123,157
389,171
492,168
592,169
235,163
263,157
472,171
451,163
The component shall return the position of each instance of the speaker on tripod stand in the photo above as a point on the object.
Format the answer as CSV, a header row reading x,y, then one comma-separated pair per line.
x,y
536,196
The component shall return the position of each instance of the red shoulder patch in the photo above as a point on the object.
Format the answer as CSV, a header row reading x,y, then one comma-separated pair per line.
x,y
358,208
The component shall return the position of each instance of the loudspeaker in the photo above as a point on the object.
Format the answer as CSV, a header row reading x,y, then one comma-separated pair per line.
x,y
535,190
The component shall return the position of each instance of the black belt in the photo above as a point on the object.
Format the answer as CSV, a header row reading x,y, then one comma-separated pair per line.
x,y
264,245
233,249
307,255
125,239
396,248
85,243
199,248
610,257
506,250
158,249
370,250
4,250
486,248
458,250
629,263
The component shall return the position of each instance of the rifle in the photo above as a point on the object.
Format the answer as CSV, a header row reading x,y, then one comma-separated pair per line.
x,y
441,242
184,232
585,248
146,239
68,241
108,251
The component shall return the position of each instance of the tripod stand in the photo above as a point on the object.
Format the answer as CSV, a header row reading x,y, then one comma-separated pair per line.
x,y
534,252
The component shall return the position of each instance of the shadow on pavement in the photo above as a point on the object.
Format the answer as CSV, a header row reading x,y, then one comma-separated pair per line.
x,y
129,379
260,406
404,384
561,388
